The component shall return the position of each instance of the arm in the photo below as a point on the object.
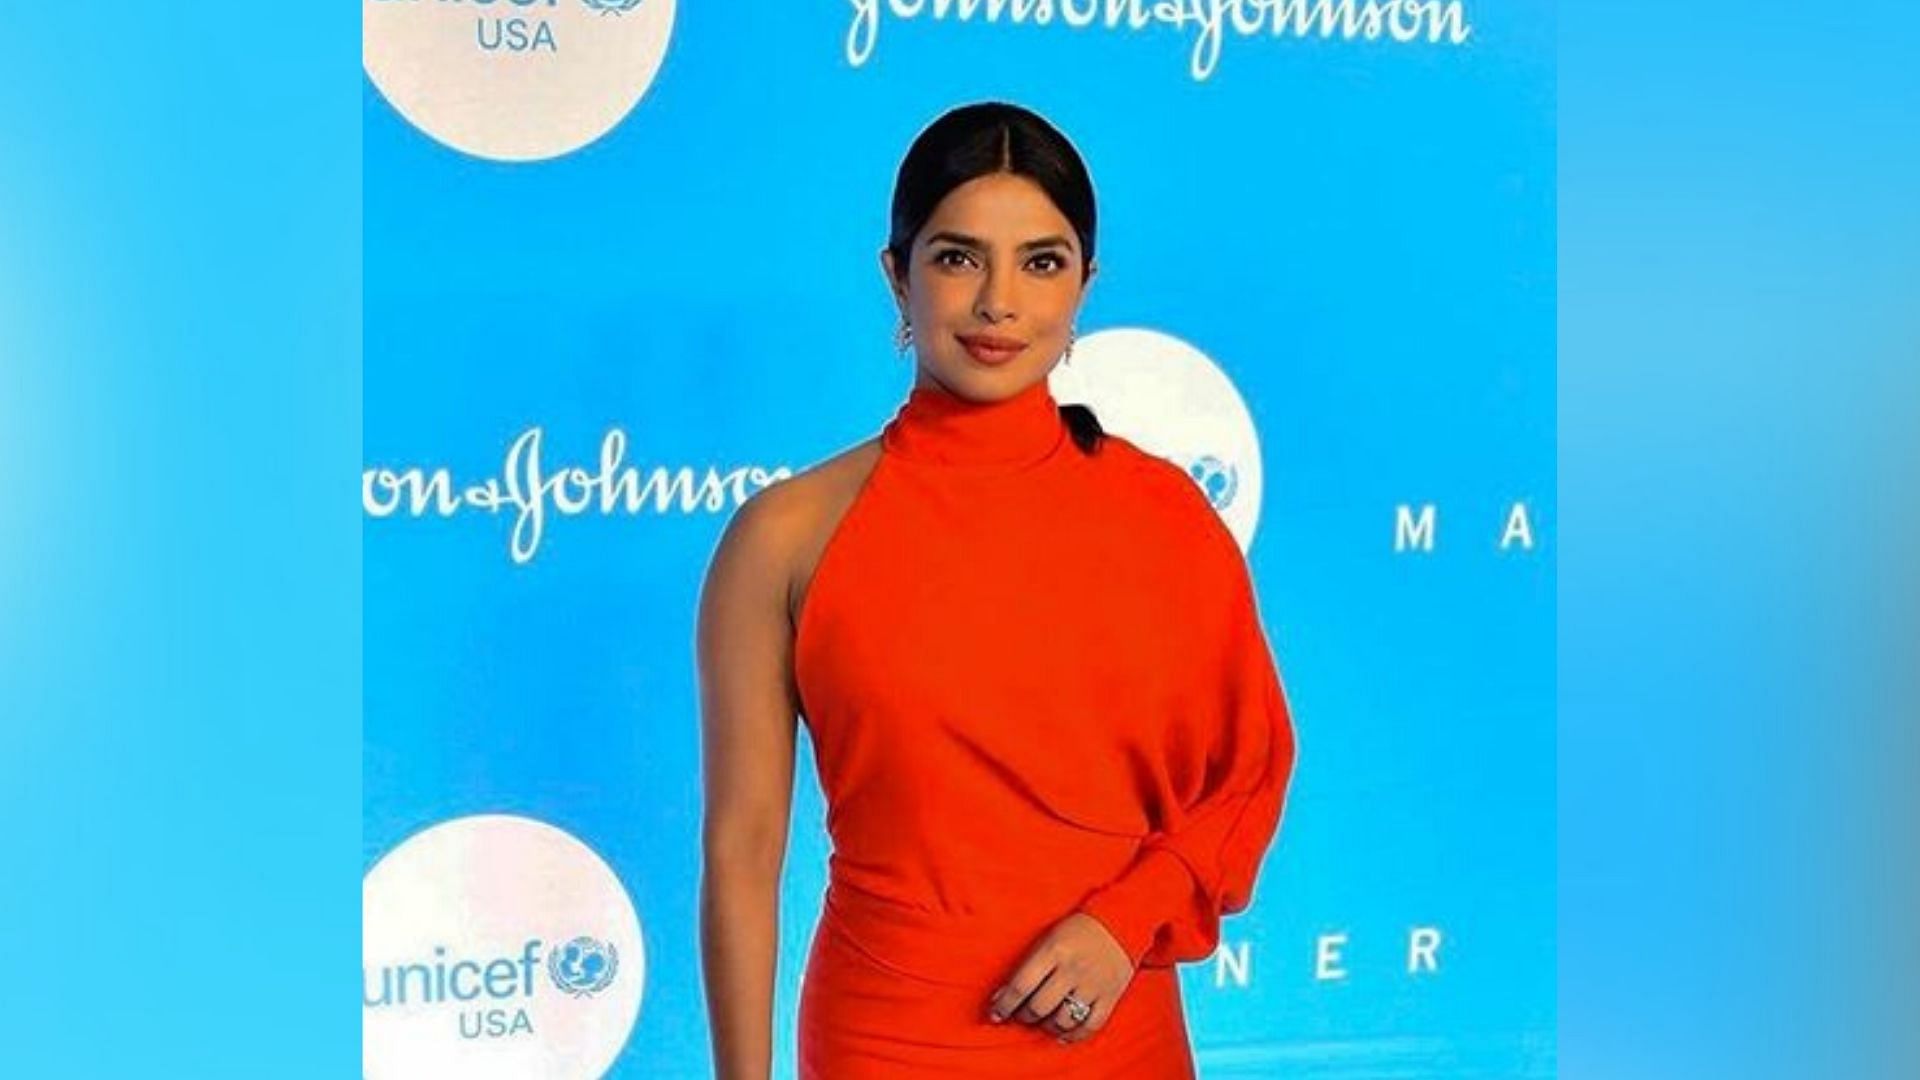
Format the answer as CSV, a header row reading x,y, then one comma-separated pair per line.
x,y
1201,861
743,645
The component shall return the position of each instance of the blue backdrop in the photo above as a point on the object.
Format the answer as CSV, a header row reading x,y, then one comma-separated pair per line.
x,y
1358,230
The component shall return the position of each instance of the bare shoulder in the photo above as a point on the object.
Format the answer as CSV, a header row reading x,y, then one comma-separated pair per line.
x,y
783,528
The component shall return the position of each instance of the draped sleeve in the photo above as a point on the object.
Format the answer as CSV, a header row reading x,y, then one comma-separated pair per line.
x,y
1210,834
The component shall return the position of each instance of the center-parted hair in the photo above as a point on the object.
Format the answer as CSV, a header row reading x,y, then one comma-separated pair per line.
x,y
996,137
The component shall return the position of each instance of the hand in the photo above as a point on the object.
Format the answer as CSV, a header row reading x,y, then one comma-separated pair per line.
x,y
1076,955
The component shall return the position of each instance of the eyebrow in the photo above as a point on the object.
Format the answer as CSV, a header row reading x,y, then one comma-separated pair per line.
x,y
981,245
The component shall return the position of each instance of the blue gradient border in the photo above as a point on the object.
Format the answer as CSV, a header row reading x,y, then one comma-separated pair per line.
x,y
179,556
1740,346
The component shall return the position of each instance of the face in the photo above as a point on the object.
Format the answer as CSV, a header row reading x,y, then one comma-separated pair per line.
x,y
995,264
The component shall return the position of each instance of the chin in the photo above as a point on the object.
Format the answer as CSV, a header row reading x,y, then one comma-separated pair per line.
x,y
986,382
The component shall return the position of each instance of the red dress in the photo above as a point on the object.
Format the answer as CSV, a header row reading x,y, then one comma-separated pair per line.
x,y
1036,682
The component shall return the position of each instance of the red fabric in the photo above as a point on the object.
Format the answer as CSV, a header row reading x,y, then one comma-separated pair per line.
x,y
1036,682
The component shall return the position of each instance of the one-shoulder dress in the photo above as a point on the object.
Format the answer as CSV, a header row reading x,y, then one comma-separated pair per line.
x,y
1036,682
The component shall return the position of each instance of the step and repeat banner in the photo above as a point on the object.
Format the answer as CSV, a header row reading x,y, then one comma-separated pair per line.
x,y
621,273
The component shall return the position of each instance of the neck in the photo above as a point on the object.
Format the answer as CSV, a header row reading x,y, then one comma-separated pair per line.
x,y
937,426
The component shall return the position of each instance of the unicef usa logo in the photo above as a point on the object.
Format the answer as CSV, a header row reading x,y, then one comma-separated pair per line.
x,y
1170,399
490,997
514,80
459,976
1216,478
584,966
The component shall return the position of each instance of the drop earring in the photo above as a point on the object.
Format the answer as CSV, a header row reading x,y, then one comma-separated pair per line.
x,y
1067,357
903,335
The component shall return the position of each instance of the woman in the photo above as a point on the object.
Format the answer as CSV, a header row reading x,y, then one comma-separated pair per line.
x,y
1047,722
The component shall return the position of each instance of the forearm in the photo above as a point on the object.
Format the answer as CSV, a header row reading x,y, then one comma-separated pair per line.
x,y
739,936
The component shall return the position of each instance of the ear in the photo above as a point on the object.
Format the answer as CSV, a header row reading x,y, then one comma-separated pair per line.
x,y
893,276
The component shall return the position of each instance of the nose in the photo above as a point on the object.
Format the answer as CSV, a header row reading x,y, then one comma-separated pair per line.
x,y
995,301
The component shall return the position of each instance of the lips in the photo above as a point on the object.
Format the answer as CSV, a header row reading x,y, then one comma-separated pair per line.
x,y
989,349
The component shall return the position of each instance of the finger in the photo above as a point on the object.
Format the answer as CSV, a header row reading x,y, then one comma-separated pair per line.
x,y
1102,1008
1046,998
1007,1000
1061,1020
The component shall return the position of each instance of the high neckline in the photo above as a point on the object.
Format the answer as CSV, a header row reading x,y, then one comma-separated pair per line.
x,y
937,427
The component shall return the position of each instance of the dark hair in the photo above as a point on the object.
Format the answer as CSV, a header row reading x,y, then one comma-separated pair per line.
x,y
996,137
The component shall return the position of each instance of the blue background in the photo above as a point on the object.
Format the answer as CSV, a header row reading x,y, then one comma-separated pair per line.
x,y
1362,237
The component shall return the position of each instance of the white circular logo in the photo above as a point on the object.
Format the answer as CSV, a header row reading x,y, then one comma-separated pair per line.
x,y
514,80
1168,398
496,947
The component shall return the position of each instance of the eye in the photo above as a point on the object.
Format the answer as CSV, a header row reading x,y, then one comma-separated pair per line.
x,y
940,258
1058,262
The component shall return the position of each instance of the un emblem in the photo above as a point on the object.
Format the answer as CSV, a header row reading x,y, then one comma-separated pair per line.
x,y
584,966
1215,477
612,7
